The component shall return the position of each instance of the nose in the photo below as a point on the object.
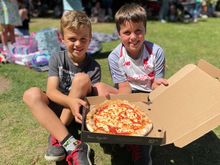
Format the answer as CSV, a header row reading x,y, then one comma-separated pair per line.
x,y
77,42
133,36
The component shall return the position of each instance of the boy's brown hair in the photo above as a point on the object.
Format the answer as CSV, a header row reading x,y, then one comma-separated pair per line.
x,y
73,20
130,12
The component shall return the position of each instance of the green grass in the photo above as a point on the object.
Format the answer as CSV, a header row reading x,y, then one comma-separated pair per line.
x,y
23,141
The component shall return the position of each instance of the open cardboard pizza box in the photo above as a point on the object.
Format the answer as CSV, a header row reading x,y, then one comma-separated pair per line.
x,y
182,112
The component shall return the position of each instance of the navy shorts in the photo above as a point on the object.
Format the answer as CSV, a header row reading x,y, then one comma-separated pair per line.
x,y
57,109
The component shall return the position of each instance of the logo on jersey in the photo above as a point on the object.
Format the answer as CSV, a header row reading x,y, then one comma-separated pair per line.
x,y
127,63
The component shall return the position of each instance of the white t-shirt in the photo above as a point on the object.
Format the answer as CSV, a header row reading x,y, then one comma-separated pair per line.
x,y
140,72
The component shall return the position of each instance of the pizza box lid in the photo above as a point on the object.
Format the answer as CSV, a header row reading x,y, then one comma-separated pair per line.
x,y
155,137
190,106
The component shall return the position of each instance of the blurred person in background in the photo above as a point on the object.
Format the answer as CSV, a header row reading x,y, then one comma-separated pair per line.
x,y
69,5
98,13
9,18
24,13
211,5
164,11
197,10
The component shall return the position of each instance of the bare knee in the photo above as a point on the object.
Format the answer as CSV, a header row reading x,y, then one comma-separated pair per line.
x,y
81,85
33,95
82,80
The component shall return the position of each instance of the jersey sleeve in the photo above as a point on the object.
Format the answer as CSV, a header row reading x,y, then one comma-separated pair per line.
x,y
96,76
160,63
93,69
53,66
117,74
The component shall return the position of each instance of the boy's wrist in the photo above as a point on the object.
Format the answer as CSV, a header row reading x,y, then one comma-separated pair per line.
x,y
94,90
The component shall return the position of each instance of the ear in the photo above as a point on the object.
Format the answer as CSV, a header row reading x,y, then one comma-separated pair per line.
x,y
119,36
62,38
118,33
90,38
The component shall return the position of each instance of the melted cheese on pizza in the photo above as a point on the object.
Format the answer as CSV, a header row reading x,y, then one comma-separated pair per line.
x,y
118,117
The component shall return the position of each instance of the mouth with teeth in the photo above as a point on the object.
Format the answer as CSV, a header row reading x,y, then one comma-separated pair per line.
x,y
134,44
78,50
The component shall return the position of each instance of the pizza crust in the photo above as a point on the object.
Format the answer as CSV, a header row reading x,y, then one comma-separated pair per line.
x,y
113,105
144,131
89,120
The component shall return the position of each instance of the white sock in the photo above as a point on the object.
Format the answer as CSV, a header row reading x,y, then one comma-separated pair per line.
x,y
69,143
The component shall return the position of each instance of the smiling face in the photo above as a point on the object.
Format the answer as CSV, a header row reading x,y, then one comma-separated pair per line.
x,y
76,31
77,42
132,37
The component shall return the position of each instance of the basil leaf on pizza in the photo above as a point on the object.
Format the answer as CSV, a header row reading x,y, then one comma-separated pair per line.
x,y
118,117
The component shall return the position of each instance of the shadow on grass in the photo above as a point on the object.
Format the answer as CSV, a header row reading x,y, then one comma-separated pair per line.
x,y
203,151
101,55
119,155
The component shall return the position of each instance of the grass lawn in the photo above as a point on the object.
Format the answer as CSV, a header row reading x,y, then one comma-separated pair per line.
x,y
23,141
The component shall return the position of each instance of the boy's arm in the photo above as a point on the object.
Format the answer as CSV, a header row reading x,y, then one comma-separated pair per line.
x,y
103,89
117,75
124,88
55,95
159,70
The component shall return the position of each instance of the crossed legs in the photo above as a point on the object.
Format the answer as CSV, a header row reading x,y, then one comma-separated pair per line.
x,y
37,102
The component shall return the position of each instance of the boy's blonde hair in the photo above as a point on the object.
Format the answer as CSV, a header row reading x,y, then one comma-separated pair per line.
x,y
130,12
73,20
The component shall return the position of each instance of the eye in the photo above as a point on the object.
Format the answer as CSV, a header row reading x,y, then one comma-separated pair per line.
x,y
127,33
83,39
138,32
72,39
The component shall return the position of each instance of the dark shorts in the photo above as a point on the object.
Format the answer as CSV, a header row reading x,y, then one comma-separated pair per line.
x,y
57,109
73,127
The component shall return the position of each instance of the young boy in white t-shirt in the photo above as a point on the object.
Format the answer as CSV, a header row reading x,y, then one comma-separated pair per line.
x,y
136,65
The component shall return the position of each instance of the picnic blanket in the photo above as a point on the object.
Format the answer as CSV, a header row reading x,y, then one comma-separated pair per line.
x,y
35,50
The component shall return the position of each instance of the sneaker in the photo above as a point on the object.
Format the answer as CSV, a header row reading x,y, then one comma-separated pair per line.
x,y
55,152
79,156
141,154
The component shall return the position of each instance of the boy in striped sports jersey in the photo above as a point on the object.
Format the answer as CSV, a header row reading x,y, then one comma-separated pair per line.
x,y
136,65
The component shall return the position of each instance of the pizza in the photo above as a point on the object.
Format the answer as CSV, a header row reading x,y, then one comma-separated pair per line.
x,y
118,117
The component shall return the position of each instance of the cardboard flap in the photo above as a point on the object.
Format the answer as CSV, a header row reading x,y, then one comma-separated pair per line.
x,y
137,97
189,107
201,129
210,69
172,80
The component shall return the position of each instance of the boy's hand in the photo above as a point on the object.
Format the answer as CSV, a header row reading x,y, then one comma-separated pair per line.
x,y
75,105
102,89
158,82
